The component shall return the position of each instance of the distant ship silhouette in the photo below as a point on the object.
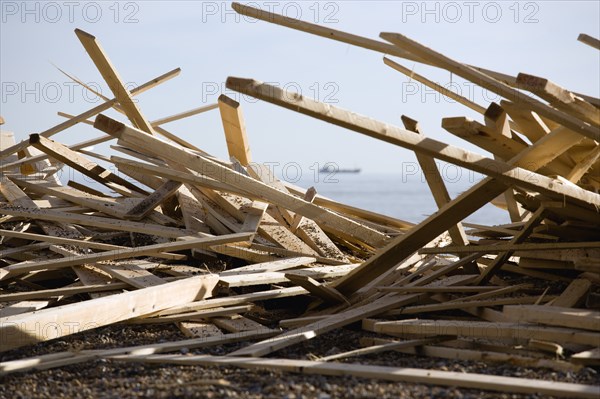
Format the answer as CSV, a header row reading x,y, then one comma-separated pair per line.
x,y
333,169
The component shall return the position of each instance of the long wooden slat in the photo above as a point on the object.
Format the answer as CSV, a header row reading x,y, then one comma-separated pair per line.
x,y
490,331
555,316
493,85
112,78
503,171
64,320
94,111
398,374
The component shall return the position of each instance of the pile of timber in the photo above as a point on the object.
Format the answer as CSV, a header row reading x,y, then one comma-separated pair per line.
x,y
76,258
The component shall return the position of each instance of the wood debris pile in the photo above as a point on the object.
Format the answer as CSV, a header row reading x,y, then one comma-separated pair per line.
x,y
75,257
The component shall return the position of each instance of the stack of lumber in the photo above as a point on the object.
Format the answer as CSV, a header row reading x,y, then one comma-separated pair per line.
x,y
176,235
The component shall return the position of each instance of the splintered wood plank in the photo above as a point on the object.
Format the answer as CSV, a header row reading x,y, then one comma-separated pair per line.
x,y
492,84
574,294
559,97
254,214
273,266
397,374
196,329
203,242
328,294
237,324
555,316
235,129
82,164
241,280
208,167
147,205
113,80
18,331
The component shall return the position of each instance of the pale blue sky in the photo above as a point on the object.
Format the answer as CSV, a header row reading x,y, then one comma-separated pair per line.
x,y
209,43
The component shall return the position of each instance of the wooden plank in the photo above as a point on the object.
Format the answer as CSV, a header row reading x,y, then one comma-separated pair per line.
x,y
80,163
204,242
58,292
322,291
195,329
236,300
535,219
309,231
197,315
45,362
147,205
214,170
79,243
494,248
574,294
237,324
242,280
94,111
589,358
436,183
487,330
235,129
126,272
589,40
509,173
100,222
388,346
398,374
559,97
492,84
432,85
460,353
113,80
555,316
18,331
272,266
17,198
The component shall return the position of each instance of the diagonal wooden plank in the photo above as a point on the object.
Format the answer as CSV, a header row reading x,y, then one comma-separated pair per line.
x,y
113,80
493,85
